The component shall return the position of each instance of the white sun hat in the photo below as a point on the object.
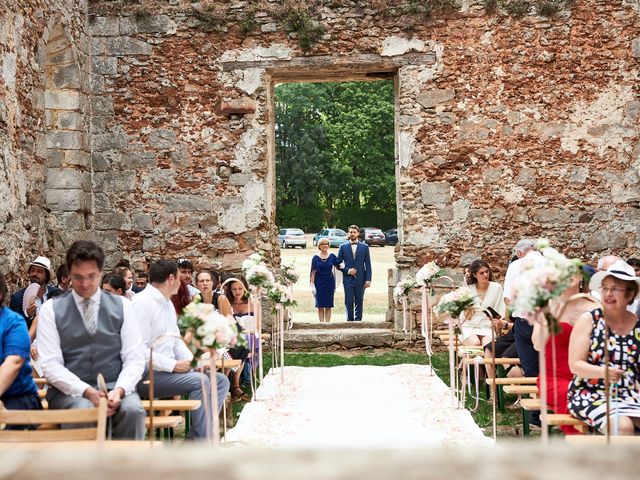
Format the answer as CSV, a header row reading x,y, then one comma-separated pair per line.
x,y
621,270
42,262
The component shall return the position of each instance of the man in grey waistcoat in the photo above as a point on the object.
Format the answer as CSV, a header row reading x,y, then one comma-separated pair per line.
x,y
87,332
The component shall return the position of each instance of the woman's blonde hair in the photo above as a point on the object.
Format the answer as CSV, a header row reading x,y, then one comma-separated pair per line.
x,y
323,240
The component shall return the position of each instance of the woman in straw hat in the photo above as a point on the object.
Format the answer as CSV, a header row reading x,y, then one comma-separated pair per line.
x,y
587,397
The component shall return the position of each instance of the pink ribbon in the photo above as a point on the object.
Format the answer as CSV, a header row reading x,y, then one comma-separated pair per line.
x,y
426,320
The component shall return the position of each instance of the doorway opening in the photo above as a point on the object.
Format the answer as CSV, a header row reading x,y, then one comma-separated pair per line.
x,y
335,166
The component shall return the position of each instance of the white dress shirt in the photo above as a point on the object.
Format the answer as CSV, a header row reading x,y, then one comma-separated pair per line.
x,y
52,361
354,248
513,272
157,317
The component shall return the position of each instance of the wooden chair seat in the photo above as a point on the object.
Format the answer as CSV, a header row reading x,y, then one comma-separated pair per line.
x,y
499,361
163,421
601,440
531,404
521,390
513,381
171,405
97,416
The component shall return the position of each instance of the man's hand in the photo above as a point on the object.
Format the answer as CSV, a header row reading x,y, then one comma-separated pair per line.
x,y
352,272
114,398
93,395
182,366
32,309
367,284
34,352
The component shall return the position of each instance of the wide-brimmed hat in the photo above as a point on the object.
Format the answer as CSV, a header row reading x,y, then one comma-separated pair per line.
x,y
42,262
621,270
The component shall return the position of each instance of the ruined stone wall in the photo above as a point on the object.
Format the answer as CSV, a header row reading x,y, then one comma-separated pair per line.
x,y
45,169
506,127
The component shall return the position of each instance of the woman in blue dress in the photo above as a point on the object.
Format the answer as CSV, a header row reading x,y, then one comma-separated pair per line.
x,y
323,280
18,391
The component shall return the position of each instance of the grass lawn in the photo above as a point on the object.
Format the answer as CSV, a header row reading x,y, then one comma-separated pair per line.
x,y
505,421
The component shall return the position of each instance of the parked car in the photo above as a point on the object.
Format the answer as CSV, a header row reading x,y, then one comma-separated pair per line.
x,y
391,236
292,237
372,236
336,236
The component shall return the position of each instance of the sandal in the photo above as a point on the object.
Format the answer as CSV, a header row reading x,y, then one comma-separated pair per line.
x,y
237,395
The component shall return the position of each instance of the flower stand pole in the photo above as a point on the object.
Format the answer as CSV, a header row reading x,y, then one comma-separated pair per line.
x,y
215,420
452,364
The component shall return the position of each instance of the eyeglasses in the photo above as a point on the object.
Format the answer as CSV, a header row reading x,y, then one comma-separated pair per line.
x,y
85,278
612,289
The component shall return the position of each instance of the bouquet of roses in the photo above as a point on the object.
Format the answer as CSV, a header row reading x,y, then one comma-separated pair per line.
x,y
256,272
289,274
428,273
210,329
403,289
541,279
456,302
280,294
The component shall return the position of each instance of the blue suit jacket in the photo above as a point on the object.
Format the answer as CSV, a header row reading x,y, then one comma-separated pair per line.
x,y
361,262
16,302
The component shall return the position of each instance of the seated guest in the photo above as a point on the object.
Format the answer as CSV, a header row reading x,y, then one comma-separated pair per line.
x,y
18,391
62,277
567,311
88,331
186,275
142,281
115,284
39,272
488,310
236,292
206,283
635,263
618,287
172,370
127,275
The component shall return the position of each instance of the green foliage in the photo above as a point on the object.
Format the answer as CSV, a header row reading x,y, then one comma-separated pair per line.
x,y
490,6
334,149
517,8
141,14
307,30
312,219
209,19
431,7
548,8
248,23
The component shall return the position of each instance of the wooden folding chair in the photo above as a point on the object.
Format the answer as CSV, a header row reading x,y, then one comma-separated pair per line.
x,y
97,416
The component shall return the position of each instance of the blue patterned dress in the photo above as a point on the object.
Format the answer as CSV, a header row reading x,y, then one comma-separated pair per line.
x,y
586,396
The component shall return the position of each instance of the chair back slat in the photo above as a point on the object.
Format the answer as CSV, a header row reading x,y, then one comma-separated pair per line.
x,y
95,417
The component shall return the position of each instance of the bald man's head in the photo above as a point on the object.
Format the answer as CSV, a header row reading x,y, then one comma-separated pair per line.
x,y
606,261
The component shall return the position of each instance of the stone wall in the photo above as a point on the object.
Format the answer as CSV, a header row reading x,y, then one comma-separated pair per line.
x,y
46,184
505,127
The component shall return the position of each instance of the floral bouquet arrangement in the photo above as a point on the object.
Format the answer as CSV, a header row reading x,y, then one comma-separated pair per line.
x,y
279,294
210,329
541,279
428,273
289,274
256,272
456,302
403,289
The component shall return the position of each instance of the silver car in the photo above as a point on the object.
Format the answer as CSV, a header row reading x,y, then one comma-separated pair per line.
x,y
292,237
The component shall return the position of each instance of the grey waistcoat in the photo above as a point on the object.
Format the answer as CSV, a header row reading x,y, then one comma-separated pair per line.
x,y
86,356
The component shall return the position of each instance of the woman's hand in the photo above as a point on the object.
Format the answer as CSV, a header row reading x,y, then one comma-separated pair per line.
x,y
615,374
313,289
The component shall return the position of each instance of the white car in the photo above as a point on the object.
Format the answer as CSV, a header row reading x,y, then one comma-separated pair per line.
x,y
292,237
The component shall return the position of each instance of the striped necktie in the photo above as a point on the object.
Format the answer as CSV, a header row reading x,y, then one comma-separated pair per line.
x,y
89,316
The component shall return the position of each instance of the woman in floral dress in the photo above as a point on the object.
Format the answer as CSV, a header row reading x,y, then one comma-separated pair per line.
x,y
587,397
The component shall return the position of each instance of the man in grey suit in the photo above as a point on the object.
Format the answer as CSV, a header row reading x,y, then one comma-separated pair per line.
x,y
87,332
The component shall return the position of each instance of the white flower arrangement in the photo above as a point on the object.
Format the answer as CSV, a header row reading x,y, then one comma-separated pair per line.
x,y
456,302
211,329
280,294
289,274
403,288
259,275
428,273
541,279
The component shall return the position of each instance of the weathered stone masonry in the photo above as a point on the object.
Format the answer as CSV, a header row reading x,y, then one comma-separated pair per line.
x,y
505,127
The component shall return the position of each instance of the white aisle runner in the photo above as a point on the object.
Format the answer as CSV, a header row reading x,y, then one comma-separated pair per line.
x,y
400,406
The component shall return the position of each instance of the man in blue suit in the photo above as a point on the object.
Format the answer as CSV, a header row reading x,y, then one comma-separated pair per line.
x,y
355,264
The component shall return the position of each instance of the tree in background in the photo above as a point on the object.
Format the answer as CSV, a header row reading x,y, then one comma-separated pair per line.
x,y
335,147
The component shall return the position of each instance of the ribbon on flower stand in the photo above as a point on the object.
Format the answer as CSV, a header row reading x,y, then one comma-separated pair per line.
x,y
213,381
452,364
281,311
542,361
426,320
403,301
